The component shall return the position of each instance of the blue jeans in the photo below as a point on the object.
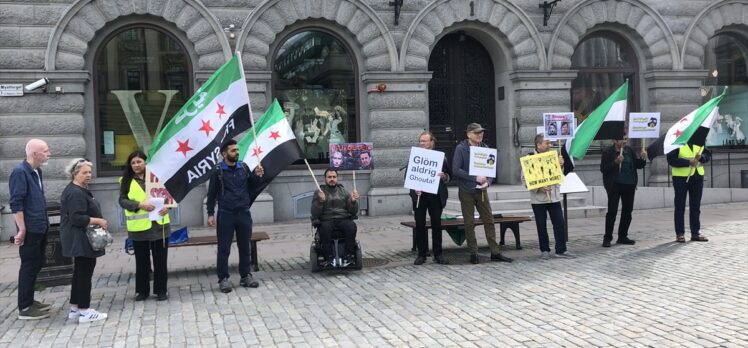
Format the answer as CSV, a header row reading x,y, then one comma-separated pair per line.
x,y
557,219
693,189
227,223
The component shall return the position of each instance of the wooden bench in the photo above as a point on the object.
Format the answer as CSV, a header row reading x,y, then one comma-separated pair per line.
x,y
505,222
257,236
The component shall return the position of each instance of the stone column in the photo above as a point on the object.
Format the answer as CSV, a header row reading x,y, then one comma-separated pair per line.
x,y
674,94
396,117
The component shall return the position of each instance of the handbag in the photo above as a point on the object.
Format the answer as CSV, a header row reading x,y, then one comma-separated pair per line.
x,y
98,237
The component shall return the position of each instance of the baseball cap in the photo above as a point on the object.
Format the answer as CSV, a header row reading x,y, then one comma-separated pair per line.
x,y
474,127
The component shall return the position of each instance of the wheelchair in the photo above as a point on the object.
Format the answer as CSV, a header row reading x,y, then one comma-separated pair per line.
x,y
317,258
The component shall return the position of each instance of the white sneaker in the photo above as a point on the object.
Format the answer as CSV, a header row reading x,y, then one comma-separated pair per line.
x,y
91,315
545,255
74,314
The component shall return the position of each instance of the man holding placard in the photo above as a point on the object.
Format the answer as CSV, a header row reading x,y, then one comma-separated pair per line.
x,y
472,190
427,177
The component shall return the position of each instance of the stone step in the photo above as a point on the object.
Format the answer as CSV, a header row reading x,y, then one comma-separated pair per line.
x,y
586,211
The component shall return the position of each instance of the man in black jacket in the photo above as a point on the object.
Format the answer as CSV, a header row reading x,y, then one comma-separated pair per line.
x,y
620,179
230,185
335,208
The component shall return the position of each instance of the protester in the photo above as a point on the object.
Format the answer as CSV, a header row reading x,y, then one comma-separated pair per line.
x,y
29,208
688,180
472,194
335,210
148,236
546,201
79,210
230,186
620,179
433,204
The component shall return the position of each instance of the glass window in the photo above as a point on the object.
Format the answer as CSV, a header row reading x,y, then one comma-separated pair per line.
x,y
314,81
725,58
604,61
142,78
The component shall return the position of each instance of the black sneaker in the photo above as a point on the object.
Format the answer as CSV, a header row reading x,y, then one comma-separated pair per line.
x,y
32,313
248,282
474,259
441,260
225,285
141,297
606,244
500,258
626,241
162,297
420,260
41,306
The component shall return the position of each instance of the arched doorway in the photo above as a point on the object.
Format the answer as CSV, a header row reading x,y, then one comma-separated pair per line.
x,y
460,91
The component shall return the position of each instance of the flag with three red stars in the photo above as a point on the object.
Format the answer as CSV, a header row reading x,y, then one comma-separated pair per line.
x,y
184,154
692,129
276,146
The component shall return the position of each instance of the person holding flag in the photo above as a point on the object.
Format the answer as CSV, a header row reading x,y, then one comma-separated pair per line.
x,y
684,145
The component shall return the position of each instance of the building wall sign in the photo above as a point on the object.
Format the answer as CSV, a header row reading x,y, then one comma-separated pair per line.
x,y
11,90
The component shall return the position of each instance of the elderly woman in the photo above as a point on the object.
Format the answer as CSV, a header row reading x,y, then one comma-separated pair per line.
x,y
80,209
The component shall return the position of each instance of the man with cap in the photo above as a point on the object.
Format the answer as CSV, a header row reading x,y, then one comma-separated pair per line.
x,y
472,195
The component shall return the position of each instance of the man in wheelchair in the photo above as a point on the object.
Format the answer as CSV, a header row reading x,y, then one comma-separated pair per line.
x,y
333,210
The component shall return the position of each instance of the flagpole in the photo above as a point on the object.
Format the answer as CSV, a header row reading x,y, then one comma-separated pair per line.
x,y
312,173
354,180
249,107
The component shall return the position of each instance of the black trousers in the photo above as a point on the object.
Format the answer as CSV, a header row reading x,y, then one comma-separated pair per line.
x,y
228,223
693,190
80,291
32,259
431,204
624,193
159,250
345,228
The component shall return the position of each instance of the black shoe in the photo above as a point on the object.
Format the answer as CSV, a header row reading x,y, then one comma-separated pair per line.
x,y
606,244
474,259
626,241
441,260
225,285
141,297
420,260
249,282
500,258
162,297
699,239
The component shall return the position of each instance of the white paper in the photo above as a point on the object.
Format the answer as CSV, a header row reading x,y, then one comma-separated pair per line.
x,y
644,125
158,204
482,161
423,169
573,184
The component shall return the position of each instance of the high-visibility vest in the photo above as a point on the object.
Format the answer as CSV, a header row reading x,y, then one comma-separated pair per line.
x,y
138,221
686,152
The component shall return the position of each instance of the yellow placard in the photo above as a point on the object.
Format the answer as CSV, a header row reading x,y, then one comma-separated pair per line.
x,y
541,170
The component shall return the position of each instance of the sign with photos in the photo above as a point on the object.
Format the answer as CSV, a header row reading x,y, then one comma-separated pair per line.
x,y
352,156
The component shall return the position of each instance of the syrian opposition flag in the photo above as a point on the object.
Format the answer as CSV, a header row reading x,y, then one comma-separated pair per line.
x,y
276,146
605,122
183,155
691,129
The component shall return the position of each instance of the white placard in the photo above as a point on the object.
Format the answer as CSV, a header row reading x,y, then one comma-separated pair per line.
x,y
559,125
573,184
482,161
158,204
423,169
644,125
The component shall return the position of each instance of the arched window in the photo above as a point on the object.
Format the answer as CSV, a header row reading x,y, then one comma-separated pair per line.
x,y
604,61
725,57
314,80
141,79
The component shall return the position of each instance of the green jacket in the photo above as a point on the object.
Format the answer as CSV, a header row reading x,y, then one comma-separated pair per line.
x,y
337,204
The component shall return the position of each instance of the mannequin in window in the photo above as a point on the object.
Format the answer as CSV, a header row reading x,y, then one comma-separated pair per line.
x,y
737,133
338,115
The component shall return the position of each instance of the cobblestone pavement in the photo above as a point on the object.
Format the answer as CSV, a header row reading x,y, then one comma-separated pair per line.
x,y
655,293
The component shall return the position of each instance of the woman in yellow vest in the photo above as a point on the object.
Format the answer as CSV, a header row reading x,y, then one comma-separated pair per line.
x,y
688,180
149,237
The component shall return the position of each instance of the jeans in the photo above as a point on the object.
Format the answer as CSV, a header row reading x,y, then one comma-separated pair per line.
x,y
624,193
468,202
693,189
345,227
432,204
229,222
541,212
143,252
32,259
80,291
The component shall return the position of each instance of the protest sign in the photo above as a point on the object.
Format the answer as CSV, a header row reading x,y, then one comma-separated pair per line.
x,y
644,125
423,169
156,189
559,125
351,156
482,161
541,170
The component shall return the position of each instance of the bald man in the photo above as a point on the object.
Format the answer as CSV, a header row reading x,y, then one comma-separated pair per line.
x,y
29,209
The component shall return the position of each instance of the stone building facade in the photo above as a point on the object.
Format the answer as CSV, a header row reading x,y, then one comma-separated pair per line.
x,y
392,70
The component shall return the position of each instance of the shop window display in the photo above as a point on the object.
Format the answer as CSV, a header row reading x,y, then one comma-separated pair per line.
x,y
725,58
